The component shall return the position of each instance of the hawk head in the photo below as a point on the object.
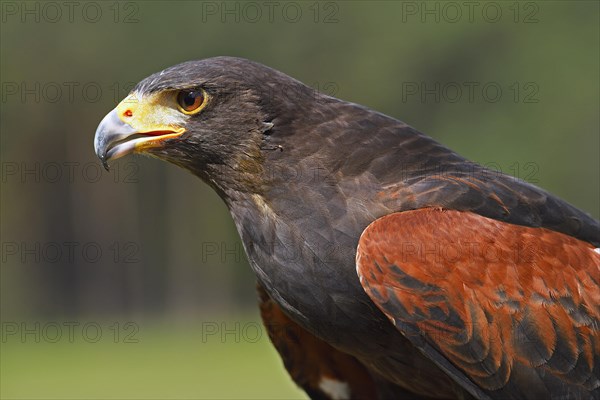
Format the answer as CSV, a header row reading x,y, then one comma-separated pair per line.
x,y
213,117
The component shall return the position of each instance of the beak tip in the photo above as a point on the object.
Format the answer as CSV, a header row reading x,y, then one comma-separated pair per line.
x,y
105,163
102,156
111,129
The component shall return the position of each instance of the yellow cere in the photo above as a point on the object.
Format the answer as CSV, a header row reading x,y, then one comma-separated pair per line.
x,y
155,112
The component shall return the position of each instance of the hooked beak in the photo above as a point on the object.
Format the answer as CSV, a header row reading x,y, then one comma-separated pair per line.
x,y
121,133
111,131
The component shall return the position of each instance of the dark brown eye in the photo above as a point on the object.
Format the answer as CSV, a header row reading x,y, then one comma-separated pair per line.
x,y
190,101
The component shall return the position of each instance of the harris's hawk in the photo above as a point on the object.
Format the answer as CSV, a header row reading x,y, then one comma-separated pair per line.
x,y
388,266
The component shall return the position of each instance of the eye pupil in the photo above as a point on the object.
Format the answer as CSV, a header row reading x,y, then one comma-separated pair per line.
x,y
190,100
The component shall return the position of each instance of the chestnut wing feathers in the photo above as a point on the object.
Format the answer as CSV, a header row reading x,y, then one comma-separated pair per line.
x,y
513,310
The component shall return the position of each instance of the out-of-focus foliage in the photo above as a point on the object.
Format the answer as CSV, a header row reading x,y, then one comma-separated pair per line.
x,y
149,241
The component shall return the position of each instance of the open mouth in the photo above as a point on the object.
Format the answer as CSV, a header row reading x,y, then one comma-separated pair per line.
x,y
115,138
139,141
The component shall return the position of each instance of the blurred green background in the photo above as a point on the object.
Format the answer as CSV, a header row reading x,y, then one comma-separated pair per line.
x,y
132,284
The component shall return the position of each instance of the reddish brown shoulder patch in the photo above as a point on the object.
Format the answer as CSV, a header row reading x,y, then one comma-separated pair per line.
x,y
492,297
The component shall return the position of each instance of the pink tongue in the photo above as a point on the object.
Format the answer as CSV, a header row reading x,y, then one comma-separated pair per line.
x,y
156,133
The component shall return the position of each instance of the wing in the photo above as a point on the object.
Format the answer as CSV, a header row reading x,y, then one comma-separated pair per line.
x,y
320,370
507,310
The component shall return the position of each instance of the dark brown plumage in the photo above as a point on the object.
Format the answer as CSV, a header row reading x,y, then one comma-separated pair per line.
x,y
304,174
310,360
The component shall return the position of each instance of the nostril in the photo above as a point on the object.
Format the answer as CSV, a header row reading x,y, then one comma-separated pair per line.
x,y
128,113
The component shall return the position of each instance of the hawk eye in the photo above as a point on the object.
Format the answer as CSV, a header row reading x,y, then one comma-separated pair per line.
x,y
190,101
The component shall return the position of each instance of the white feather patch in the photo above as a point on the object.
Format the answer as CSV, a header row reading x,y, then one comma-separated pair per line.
x,y
335,389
